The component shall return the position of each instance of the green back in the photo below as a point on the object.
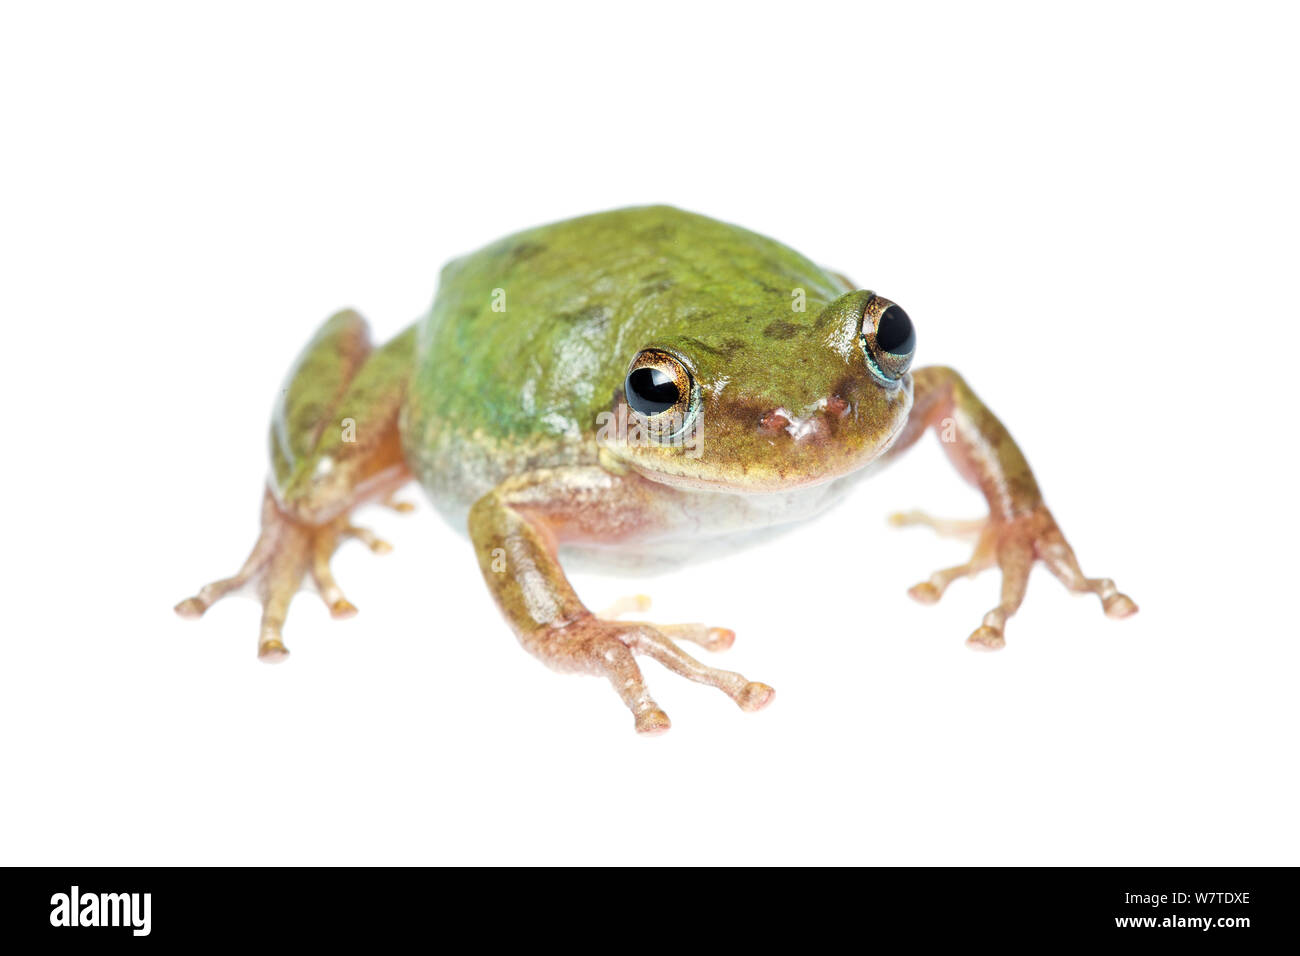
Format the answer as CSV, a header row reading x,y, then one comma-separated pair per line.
x,y
582,297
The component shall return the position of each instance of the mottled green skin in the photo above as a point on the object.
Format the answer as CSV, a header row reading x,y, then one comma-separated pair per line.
x,y
494,393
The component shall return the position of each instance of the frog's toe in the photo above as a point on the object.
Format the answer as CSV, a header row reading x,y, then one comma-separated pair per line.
x,y
191,608
401,507
324,544
633,604
709,638
932,588
986,638
272,651
945,527
367,537
652,722
1060,560
927,592
755,696
1119,606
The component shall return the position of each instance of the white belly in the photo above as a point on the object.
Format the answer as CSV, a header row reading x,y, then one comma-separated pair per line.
x,y
711,524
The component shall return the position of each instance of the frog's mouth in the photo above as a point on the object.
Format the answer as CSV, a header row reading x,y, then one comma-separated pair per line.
x,y
811,466
748,480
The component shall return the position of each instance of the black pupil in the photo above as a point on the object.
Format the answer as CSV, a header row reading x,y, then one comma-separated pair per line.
x,y
895,334
651,390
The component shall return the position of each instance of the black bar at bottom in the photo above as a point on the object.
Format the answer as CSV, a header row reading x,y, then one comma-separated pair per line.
x,y
653,908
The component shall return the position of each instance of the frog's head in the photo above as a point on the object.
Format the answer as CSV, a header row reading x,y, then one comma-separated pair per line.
x,y
797,403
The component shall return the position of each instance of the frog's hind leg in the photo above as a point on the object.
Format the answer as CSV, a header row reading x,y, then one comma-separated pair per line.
x,y
334,445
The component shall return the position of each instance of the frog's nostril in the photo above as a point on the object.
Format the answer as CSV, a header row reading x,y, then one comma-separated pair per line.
x,y
773,423
811,427
836,407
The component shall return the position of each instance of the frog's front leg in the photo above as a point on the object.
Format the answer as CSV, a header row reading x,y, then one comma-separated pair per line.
x,y
516,529
1019,529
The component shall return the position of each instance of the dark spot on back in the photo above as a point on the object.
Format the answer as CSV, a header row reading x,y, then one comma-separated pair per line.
x,y
659,233
781,330
653,285
522,252
592,315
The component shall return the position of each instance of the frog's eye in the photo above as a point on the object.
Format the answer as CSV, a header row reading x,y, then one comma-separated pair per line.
x,y
658,386
888,340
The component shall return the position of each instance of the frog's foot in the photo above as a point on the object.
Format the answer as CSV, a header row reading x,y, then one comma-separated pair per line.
x,y
286,552
1014,545
595,645
709,638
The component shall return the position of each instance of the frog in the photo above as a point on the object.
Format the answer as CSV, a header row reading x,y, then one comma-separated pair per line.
x,y
631,385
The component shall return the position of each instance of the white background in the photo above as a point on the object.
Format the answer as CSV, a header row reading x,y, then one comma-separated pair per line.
x,y
1091,212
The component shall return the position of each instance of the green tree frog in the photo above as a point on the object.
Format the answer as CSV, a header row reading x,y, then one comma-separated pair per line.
x,y
639,382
